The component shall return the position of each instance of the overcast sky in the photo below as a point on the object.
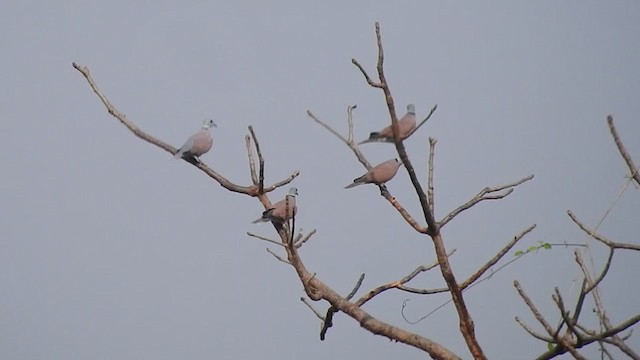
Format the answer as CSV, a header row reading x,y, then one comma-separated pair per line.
x,y
108,250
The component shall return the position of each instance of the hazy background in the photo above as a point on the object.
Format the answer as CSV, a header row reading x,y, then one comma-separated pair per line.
x,y
108,250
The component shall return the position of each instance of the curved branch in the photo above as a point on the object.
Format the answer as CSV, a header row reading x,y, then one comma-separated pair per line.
x,y
248,190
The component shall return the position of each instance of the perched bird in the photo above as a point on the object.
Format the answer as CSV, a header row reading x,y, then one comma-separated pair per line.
x,y
406,124
380,174
281,211
198,144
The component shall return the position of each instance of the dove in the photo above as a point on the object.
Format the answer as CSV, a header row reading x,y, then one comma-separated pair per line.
x,y
379,174
406,124
197,144
281,211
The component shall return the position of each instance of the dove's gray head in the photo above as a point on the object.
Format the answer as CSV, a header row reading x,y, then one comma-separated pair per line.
x,y
293,191
208,123
398,161
411,108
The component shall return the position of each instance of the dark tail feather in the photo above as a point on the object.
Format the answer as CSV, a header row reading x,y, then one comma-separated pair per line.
x,y
266,216
356,182
372,137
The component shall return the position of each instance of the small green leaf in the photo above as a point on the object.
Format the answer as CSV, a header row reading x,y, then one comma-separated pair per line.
x,y
519,253
532,248
550,346
547,246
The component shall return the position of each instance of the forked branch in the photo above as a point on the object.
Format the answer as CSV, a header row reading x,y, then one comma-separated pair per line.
x,y
488,193
351,144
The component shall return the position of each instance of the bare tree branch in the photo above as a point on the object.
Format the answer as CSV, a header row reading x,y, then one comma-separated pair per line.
x,y
350,122
260,159
306,302
278,256
485,194
328,318
600,238
264,239
433,230
623,151
497,257
366,76
252,162
430,188
302,240
363,160
603,336
433,109
533,308
398,283
248,190
533,333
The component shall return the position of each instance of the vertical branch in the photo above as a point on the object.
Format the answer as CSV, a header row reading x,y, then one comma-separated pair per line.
x,y
260,161
430,196
350,122
465,320
252,162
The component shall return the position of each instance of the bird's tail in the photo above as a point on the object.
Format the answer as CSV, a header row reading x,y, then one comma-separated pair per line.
x,y
177,155
356,182
376,137
259,220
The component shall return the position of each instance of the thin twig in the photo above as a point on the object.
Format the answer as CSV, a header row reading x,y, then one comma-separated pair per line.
x,y
260,160
433,109
600,238
398,283
259,237
252,162
306,302
533,333
484,194
623,151
533,308
497,257
363,160
328,318
278,256
350,122
469,282
281,183
430,187
302,240
366,76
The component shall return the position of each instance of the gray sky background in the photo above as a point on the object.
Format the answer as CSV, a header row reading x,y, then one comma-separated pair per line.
x,y
108,250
